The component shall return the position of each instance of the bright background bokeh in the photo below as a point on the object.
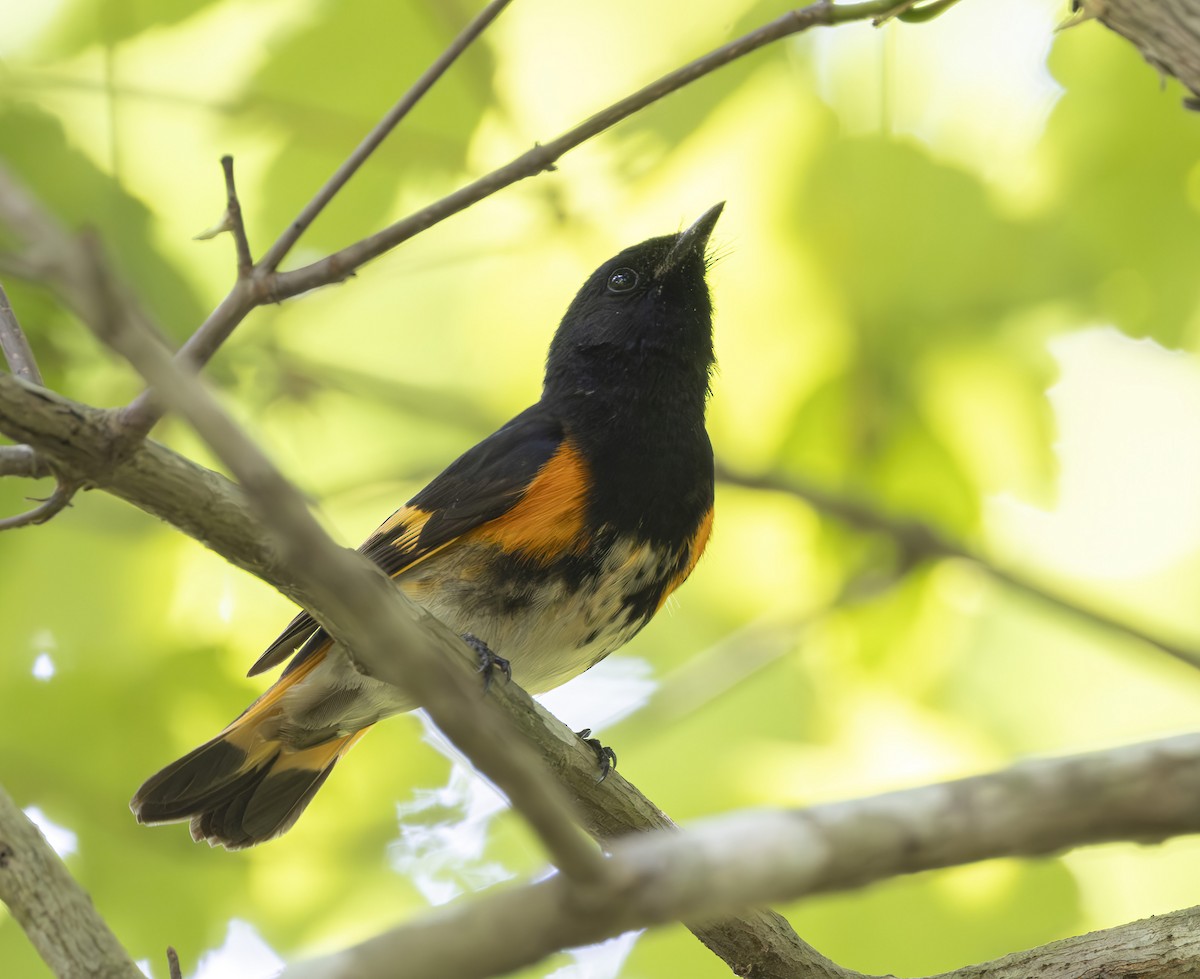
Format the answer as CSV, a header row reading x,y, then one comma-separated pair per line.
x,y
958,281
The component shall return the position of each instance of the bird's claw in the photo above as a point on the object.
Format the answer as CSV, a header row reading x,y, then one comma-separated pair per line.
x,y
489,662
606,758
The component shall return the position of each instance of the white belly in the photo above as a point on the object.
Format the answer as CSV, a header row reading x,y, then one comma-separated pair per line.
x,y
551,624
549,627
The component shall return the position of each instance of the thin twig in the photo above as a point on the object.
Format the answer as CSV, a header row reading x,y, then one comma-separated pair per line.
x,y
233,222
237,225
284,243
174,970
919,541
143,413
14,345
58,501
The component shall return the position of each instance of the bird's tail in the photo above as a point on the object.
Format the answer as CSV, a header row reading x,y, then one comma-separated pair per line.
x,y
246,785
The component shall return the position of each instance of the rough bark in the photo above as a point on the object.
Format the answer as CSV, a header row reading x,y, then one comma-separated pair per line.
x,y
55,912
1167,32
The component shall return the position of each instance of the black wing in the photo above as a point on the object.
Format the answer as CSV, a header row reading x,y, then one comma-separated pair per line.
x,y
485,482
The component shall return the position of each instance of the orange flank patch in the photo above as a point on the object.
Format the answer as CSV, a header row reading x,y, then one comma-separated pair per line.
x,y
695,549
548,520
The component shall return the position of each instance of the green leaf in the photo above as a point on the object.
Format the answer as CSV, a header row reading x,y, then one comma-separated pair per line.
x,y
83,23
35,147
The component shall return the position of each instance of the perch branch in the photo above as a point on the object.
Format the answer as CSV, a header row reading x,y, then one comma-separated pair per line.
x,y
81,441
1145,793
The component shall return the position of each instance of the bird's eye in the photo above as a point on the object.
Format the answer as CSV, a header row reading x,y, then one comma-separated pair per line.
x,y
622,280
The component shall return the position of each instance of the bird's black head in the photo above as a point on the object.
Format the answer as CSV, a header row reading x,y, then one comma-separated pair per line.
x,y
639,332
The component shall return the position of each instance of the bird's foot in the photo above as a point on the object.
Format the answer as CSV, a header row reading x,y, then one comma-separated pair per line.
x,y
489,662
605,756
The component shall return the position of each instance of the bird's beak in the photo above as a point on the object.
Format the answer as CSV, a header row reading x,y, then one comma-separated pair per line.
x,y
692,242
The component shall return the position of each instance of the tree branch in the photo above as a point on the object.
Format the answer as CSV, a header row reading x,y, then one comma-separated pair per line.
x,y
1143,792
83,442
919,541
52,908
1163,947
20,460
1166,32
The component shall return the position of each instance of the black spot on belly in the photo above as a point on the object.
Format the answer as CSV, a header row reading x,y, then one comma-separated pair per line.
x,y
641,604
587,640
519,573
514,602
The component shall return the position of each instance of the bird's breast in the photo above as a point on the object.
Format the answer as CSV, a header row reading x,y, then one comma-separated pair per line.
x,y
552,619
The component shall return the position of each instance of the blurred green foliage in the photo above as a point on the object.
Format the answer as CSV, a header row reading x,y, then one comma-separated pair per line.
x,y
900,262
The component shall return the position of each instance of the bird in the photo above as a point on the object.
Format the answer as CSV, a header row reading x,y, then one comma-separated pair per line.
x,y
547,545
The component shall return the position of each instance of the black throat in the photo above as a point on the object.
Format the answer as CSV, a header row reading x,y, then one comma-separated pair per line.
x,y
645,443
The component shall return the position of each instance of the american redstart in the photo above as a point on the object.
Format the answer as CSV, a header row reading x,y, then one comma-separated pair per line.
x,y
547,545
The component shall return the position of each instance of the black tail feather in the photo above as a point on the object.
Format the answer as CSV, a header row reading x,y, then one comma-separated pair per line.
x,y
232,800
263,811
201,778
